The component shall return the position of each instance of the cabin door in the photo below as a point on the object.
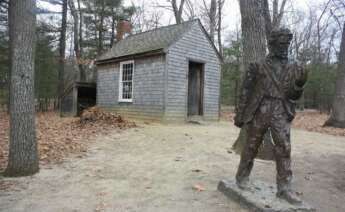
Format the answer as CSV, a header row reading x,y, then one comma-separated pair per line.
x,y
195,89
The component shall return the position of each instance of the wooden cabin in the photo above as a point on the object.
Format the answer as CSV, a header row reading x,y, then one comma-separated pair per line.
x,y
169,73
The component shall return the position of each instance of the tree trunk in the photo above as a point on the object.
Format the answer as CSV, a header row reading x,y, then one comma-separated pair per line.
x,y
80,27
254,49
220,8
23,157
213,13
177,10
113,21
337,118
76,41
219,3
62,51
253,31
100,30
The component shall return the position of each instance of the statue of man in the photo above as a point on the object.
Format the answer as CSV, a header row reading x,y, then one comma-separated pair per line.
x,y
268,98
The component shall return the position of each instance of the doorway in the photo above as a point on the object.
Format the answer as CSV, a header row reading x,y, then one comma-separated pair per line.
x,y
195,89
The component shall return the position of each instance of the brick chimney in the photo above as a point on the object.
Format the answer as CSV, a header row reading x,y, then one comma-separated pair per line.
x,y
123,27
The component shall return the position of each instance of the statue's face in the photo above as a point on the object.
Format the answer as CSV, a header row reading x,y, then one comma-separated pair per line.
x,y
280,46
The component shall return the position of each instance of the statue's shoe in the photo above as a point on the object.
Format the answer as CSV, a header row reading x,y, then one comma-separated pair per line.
x,y
290,197
243,184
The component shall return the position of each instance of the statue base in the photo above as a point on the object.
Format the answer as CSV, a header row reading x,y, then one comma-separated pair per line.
x,y
260,198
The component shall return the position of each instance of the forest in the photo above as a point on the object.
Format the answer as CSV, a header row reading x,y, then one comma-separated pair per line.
x,y
50,47
68,42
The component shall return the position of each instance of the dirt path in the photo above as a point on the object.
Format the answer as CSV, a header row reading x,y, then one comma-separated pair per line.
x,y
154,168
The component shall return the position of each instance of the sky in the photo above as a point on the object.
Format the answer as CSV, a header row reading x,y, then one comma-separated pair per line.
x,y
231,10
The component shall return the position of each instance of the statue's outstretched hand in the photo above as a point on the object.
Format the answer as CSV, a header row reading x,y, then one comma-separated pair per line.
x,y
301,76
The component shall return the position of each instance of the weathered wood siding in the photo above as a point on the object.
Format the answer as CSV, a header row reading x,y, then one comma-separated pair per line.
x,y
148,88
193,46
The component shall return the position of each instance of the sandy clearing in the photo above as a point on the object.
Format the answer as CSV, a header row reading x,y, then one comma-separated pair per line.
x,y
154,168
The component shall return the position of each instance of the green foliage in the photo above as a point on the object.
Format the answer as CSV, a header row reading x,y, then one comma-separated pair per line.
x,y
320,88
46,73
45,68
231,72
111,11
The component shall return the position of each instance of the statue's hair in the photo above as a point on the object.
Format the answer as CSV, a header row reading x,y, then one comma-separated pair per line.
x,y
277,33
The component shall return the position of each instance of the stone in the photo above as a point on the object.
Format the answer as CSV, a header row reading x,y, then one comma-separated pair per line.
x,y
260,198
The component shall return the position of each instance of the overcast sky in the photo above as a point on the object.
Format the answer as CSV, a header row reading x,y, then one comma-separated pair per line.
x,y
231,10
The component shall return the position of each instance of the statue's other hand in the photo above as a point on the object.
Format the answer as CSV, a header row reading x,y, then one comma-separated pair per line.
x,y
301,76
238,121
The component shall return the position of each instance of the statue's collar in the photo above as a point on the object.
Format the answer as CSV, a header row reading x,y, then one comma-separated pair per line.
x,y
270,58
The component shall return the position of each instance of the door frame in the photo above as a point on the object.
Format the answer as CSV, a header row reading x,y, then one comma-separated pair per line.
x,y
202,87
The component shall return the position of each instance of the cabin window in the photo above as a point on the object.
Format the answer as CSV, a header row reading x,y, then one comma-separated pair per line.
x,y
126,81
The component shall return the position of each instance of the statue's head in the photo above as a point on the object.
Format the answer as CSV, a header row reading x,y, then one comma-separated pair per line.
x,y
279,42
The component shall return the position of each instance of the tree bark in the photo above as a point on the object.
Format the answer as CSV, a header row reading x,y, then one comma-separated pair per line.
x,y
275,21
62,51
253,31
80,27
213,13
113,22
23,157
76,40
177,10
220,8
100,29
337,117
267,17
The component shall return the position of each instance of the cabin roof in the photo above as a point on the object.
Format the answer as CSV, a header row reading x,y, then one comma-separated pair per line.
x,y
151,40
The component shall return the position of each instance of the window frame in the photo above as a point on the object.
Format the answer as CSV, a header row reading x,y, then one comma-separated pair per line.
x,y
121,99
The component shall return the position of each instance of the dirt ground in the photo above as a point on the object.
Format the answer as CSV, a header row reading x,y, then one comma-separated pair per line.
x,y
156,168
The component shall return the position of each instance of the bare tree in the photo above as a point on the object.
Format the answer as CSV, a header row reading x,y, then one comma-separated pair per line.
x,y
253,31
76,39
337,118
23,154
190,9
209,14
219,27
80,27
101,28
62,51
177,10
212,15
143,20
274,20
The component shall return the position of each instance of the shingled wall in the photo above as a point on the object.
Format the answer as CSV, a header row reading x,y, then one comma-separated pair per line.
x,y
193,46
148,88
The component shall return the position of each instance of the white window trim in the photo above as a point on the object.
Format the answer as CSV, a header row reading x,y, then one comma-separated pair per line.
x,y
120,99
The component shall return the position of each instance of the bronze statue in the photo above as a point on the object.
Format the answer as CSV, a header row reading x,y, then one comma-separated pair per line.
x,y
268,98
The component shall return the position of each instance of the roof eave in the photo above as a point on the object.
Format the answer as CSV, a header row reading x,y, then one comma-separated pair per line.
x,y
211,42
130,56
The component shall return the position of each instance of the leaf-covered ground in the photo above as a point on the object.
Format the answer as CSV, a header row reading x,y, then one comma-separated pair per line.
x,y
173,167
310,120
57,137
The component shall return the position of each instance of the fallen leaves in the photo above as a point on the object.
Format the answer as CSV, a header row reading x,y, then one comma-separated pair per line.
x,y
313,121
309,120
57,137
199,188
95,115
